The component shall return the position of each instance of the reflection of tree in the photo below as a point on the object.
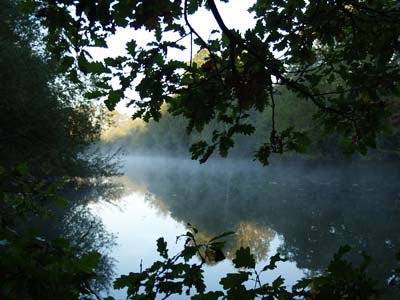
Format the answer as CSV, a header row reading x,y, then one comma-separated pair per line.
x,y
316,209
76,223
257,238
158,203
247,234
129,186
87,232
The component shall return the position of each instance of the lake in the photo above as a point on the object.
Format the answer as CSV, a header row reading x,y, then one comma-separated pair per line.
x,y
303,210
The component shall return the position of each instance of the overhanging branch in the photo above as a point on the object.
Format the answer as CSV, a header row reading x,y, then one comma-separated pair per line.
x,y
271,68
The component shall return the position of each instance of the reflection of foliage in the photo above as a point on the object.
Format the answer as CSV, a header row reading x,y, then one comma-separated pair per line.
x,y
159,204
63,249
32,266
83,192
207,249
86,232
37,269
253,236
80,227
247,235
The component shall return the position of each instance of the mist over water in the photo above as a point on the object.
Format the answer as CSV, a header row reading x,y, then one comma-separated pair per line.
x,y
304,210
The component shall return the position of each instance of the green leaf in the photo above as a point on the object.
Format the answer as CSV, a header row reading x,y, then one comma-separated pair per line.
x,y
217,245
341,252
302,284
219,255
83,63
244,259
158,34
100,43
162,247
114,97
170,287
272,264
239,292
131,47
193,6
97,68
131,280
66,63
208,296
102,85
234,279
28,6
188,252
278,282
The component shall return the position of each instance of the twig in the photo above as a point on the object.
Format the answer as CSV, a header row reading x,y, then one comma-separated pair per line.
x,y
205,45
167,295
271,91
93,292
191,48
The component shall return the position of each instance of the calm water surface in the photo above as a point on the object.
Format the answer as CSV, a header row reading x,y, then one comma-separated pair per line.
x,y
301,210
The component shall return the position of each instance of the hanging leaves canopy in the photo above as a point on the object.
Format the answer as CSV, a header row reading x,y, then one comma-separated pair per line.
x,y
341,55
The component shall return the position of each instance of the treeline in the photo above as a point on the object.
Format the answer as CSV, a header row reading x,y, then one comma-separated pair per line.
x,y
169,136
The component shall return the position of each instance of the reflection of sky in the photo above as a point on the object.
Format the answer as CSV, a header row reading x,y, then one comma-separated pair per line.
x,y
138,225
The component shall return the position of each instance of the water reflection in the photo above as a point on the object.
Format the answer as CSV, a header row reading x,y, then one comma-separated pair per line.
x,y
314,208
256,237
137,226
76,223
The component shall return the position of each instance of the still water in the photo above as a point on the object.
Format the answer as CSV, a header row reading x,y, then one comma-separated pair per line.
x,y
302,210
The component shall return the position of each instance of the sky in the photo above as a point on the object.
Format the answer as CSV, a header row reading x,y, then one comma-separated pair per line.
x,y
234,14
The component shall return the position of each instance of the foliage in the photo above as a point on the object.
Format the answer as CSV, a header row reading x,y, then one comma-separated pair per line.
x,y
316,207
168,136
44,120
46,130
342,56
31,264
174,275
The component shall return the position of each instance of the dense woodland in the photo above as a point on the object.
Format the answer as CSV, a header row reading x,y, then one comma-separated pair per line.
x,y
332,92
49,170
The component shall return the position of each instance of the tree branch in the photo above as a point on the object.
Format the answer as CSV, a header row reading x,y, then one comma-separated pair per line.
x,y
192,30
272,69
